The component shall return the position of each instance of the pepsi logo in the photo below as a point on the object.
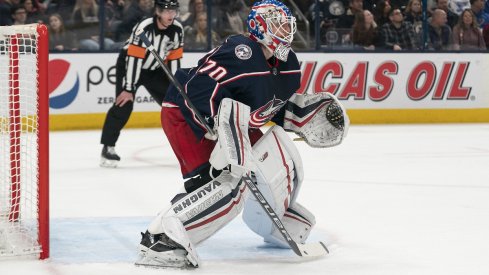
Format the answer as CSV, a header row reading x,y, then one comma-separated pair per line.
x,y
63,84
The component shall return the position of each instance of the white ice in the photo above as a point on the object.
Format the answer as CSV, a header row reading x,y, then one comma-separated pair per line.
x,y
396,199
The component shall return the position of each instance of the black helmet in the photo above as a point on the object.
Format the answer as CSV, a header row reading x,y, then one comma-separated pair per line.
x,y
167,4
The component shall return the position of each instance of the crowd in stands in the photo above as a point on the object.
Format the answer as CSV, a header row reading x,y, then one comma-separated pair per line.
x,y
349,24
398,24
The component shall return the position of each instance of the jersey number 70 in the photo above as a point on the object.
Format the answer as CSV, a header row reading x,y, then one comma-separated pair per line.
x,y
215,72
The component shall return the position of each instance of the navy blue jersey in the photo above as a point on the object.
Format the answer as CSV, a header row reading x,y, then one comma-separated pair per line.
x,y
237,69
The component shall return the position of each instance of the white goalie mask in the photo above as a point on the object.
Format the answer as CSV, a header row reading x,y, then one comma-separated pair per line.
x,y
271,23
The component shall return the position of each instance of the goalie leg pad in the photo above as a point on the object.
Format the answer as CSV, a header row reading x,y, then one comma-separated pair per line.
x,y
204,211
298,221
279,169
279,175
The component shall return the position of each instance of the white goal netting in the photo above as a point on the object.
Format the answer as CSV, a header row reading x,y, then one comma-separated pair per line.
x,y
19,221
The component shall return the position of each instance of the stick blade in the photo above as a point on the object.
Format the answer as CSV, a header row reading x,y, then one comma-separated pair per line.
x,y
312,250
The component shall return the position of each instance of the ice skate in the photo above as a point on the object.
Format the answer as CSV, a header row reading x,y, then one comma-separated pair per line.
x,y
109,157
159,251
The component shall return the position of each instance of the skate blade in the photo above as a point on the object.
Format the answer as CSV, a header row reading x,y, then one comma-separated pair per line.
x,y
158,262
158,265
107,163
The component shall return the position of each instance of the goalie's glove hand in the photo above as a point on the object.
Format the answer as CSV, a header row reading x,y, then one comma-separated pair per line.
x,y
319,119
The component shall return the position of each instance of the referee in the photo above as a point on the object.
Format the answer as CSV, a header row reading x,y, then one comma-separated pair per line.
x,y
136,66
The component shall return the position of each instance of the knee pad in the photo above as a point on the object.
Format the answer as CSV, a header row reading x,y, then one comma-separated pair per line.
x,y
207,209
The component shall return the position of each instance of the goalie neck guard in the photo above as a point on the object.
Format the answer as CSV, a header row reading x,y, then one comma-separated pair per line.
x,y
271,23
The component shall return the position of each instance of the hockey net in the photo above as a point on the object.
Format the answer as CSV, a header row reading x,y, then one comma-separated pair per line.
x,y
24,210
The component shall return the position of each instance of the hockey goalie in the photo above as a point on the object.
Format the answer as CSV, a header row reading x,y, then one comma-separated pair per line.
x,y
238,87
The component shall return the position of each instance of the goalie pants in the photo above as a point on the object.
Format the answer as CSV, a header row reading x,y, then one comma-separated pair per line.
x,y
192,154
154,81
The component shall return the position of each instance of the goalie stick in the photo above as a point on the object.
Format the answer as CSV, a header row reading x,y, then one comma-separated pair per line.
x,y
303,250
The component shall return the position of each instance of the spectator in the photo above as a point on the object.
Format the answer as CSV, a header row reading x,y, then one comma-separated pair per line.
x,y
196,37
397,34
60,39
365,33
194,7
114,10
413,15
65,9
440,34
19,15
86,23
6,13
231,16
346,20
466,34
33,13
452,18
381,12
40,5
431,6
329,12
135,13
477,7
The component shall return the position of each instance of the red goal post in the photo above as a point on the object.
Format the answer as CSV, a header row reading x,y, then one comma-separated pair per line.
x,y
24,141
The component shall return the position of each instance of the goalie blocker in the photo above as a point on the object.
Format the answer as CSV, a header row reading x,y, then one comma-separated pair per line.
x,y
195,216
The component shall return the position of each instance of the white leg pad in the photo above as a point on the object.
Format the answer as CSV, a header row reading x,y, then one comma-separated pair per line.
x,y
204,211
279,175
298,221
174,229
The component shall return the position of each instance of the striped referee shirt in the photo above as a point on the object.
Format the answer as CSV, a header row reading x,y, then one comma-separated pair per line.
x,y
168,43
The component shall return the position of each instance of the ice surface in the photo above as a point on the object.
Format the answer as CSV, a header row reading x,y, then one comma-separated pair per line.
x,y
396,199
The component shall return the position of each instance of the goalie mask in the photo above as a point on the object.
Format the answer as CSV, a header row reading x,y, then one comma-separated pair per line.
x,y
271,23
